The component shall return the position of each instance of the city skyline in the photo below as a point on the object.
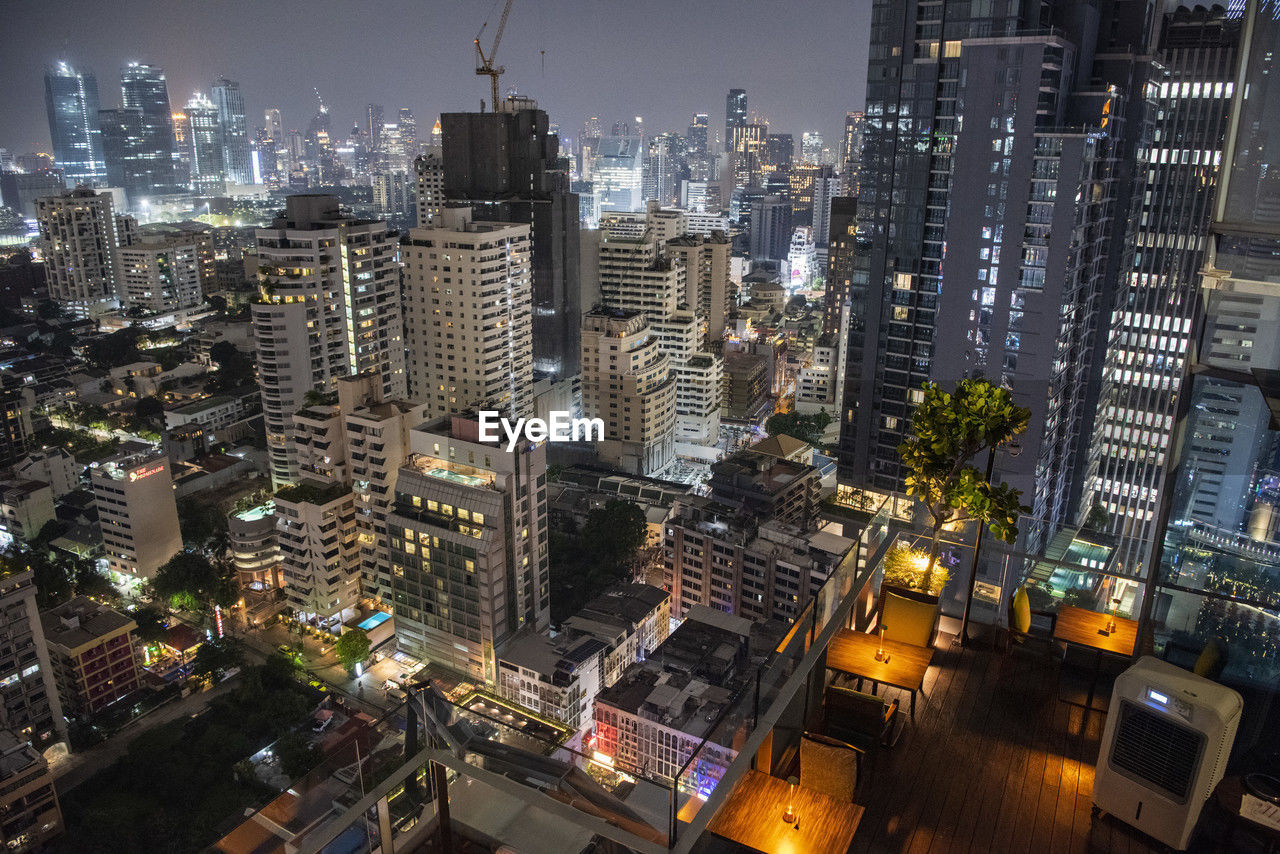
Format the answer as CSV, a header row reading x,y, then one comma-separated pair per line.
x,y
431,71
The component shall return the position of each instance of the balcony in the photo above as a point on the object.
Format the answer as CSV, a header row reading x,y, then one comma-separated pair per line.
x,y
999,754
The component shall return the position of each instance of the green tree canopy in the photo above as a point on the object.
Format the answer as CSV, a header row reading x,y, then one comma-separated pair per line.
x,y
151,623
947,431
215,657
191,581
235,369
806,428
584,562
352,647
203,526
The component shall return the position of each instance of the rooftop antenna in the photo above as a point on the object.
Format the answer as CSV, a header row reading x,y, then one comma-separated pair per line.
x,y
485,63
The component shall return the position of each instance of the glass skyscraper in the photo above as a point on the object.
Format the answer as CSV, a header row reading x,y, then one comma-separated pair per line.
x,y
71,98
227,96
142,87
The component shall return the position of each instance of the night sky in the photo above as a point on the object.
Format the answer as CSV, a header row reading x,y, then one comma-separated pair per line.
x,y
803,64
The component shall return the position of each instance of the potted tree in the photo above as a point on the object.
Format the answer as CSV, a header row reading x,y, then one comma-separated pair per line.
x,y
947,432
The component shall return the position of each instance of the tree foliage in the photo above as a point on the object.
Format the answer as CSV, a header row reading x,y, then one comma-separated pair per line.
x,y
203,526
57,575
584,562
151,623
352,647
947,431
191,581
806,428
235,369
215,657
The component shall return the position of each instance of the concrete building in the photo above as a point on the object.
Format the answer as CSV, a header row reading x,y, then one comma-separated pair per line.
x,y
631,620
1153,324
329,307
17,402
26,506
468,315
717,557
137,511
650,722
29,704
91,648
54,466
212,413
555,677
1021,150
78,241
428,171
768,488
771,228
506,165
627,382
28,799
255,549
746,385
319,551
468,547
709,290
638,274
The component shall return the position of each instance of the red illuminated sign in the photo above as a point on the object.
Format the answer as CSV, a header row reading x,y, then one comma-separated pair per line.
x,y
135,476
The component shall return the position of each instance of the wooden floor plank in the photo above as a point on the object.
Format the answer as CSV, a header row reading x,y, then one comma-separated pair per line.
x,y
993,763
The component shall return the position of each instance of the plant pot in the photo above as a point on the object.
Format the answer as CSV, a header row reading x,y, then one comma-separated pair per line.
x,y
909,593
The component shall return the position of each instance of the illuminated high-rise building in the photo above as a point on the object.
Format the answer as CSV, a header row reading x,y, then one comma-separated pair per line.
x,y
143,87
71,98
735,115
329,308
208,172
1152,322
78,240
851,150
1006,169
228,98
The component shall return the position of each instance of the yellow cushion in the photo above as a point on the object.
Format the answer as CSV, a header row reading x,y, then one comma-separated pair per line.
x,y
828,769
1209,664
907,620
1020,617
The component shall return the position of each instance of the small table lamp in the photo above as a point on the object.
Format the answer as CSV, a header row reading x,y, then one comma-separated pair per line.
x,y
1111,622
789,815
881,655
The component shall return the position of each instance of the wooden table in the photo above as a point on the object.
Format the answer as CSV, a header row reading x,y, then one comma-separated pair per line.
x,y
1229,795
752,816
1084,628
855,653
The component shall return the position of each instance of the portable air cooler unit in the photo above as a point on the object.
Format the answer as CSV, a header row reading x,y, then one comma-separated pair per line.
x,y
1164,748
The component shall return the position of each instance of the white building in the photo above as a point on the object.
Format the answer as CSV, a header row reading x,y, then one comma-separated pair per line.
x,y
628,383
163,271
137,511
78,241
319,551
801,264
468,315
617,173
329,307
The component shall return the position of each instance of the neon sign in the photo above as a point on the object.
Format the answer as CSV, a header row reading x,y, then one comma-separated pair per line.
x,y
139,474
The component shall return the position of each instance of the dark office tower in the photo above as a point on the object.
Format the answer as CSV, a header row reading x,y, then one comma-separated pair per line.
x,y
1152,321
373,124
997,134
735,114
124,149
71,98
142,87
698,142
507,166
851,150
842,249
229,100
408,130
777,155
770,228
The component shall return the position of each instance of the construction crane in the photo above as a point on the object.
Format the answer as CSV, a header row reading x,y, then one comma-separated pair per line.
x,y
486,65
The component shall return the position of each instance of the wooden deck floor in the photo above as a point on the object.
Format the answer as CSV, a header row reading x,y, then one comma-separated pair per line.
x,y
997,763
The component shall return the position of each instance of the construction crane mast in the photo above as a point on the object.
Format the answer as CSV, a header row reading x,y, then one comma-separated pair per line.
x,y
486,65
